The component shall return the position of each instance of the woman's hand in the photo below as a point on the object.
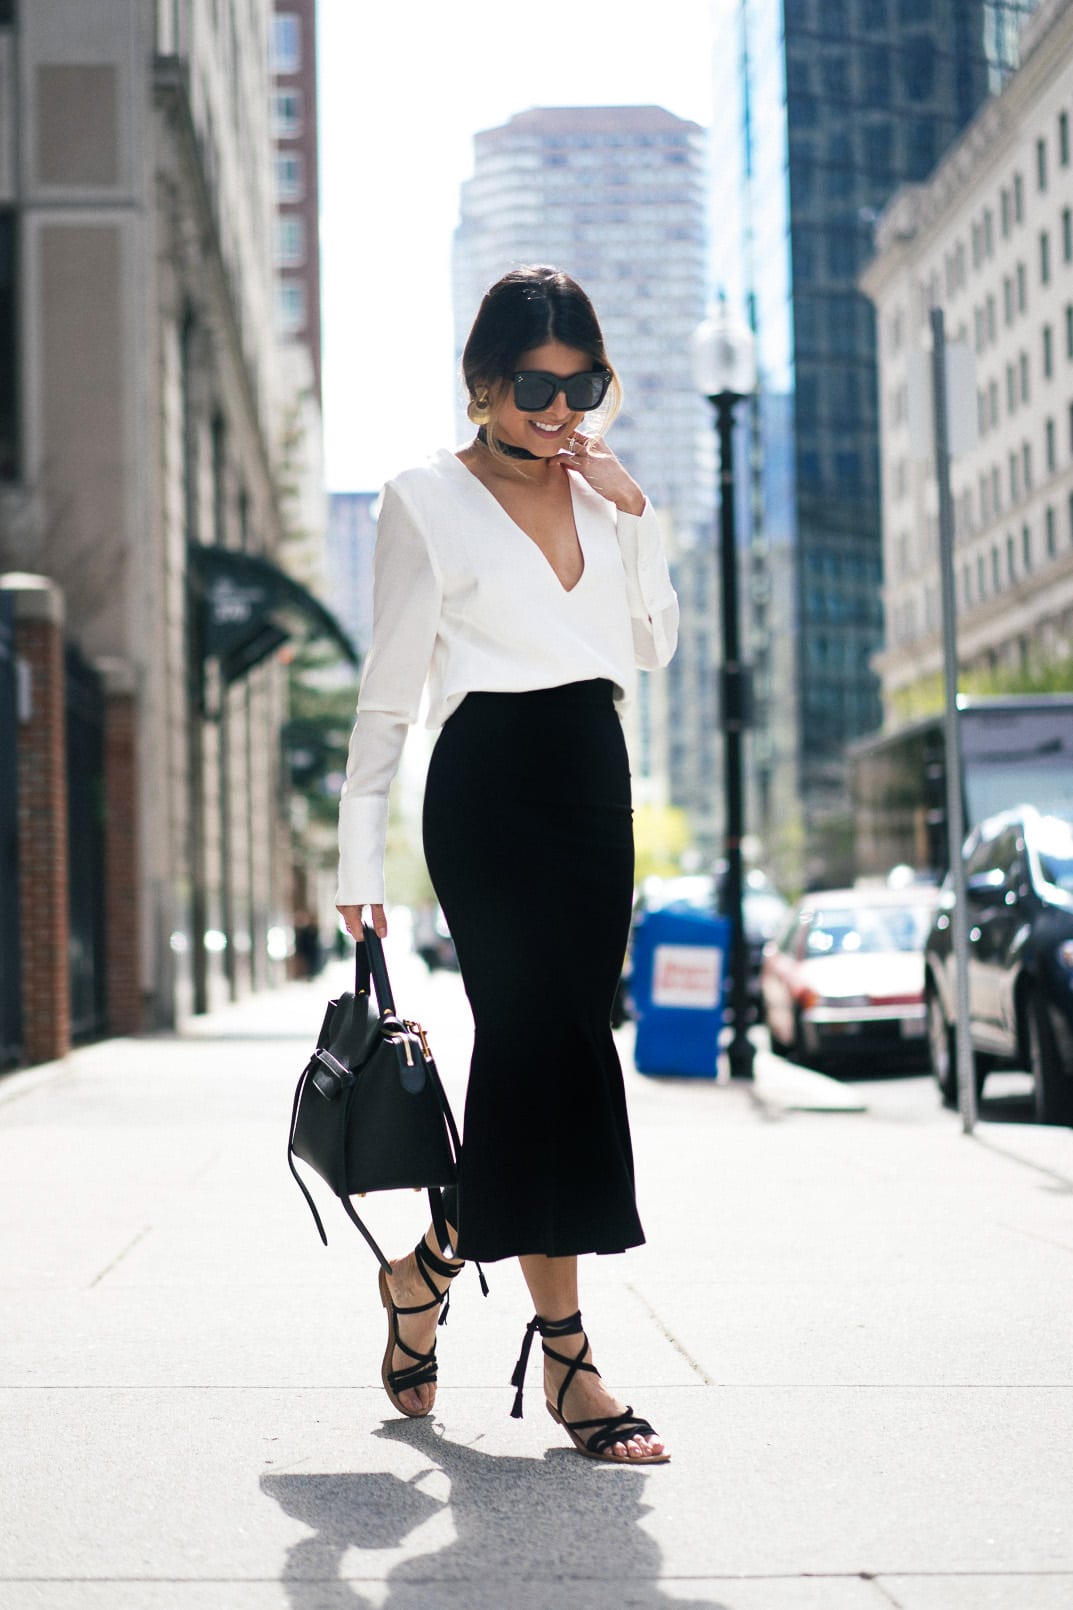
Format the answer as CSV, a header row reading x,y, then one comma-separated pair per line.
x,y
351,916
591,457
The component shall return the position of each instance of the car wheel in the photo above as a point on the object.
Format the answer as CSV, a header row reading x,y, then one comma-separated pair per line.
x,y
942,1050
1052,1088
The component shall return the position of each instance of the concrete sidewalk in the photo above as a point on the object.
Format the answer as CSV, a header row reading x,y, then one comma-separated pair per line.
x,y
855,1334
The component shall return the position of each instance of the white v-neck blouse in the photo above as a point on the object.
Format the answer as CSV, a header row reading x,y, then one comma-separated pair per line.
x,y
464,601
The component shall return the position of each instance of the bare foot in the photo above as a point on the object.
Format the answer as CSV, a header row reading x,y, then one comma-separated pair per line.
x,y
408,1289
587,1398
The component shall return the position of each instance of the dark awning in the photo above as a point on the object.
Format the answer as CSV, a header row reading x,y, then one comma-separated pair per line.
x,y
249,607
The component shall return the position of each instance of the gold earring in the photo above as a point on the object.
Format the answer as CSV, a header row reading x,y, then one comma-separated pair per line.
x,y
479,411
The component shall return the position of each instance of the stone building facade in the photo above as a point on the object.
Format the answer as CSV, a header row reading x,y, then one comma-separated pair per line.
x,y
989,239
143,419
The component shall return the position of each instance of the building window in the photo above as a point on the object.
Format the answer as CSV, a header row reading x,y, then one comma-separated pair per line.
x,y
1011,388
1011,558
291,306
1050,447
1041,164
985,500
1069,329
1071,427
981,578
1051,534
7,13
1022,288
9,371
1023,365
1007,300
1026,548
290,176
286,42
1004,213
1015,477
287,114
1071,517
996,570
1048,352
992,397
1026,466
1044,257
1018,199
1063,139
991,321
290,241
996,490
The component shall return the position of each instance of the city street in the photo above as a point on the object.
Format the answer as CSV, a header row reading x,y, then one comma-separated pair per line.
x,y
851,1324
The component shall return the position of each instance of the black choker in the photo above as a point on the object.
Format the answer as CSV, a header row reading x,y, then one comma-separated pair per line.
x,y
506,448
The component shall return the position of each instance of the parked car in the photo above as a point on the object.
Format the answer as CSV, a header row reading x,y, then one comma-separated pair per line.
x,y
1019,877
845,978
763,910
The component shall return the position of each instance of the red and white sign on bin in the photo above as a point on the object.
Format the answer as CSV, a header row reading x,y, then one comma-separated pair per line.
x,y
687,975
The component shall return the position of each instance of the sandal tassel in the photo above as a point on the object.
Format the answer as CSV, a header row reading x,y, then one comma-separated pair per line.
x,y
546,1327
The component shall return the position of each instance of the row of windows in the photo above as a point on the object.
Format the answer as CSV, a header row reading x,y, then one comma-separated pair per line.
x,y
1011,213
1006,563
992,497
837,17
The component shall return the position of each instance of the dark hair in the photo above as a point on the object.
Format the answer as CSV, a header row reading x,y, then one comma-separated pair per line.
x,y
527,308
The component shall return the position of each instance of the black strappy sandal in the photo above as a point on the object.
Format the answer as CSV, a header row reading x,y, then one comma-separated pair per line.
x,y
604,1431
423,1369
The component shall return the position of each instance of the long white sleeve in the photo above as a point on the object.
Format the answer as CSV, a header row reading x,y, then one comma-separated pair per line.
x,y
407,593
651,598
465,601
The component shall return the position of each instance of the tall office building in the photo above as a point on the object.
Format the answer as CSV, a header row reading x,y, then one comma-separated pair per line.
x,y
822,108
616,196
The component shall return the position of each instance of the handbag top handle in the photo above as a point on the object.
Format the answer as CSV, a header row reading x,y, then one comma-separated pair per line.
x,y
369,962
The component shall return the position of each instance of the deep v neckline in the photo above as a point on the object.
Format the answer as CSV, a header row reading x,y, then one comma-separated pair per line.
x,y
568,592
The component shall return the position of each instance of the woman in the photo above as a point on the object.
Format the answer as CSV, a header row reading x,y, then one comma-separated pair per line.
x,y
523,579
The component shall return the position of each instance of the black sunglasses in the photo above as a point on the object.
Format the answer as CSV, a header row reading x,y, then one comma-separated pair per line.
x,y
535,389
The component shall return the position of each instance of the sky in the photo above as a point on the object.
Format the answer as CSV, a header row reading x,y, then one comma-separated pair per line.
x,y
403,89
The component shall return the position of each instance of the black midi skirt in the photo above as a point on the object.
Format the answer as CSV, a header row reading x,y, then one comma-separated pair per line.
x,y
528,834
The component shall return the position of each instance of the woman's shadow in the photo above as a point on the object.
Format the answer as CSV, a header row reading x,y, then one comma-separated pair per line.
x,y
529,1534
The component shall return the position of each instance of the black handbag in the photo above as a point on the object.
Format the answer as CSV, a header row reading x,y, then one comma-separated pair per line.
x,y
370,1113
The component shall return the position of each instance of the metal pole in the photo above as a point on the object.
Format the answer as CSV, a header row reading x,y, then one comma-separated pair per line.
x,y
740,1053
955,814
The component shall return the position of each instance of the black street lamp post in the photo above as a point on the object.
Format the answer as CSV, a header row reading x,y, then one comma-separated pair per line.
x,y
724,371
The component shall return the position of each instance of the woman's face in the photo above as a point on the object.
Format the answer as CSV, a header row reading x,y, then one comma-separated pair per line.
x,y
547,432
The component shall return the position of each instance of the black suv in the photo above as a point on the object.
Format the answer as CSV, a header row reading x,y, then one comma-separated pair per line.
x,y
1019,876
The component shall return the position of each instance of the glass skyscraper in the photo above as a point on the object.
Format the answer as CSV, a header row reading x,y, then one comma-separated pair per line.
x,y
822,109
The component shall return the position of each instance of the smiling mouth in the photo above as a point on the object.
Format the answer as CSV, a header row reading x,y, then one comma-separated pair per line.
x,y
548,430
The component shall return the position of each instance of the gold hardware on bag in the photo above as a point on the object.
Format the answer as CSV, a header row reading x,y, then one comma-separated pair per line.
x,y
415,1028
